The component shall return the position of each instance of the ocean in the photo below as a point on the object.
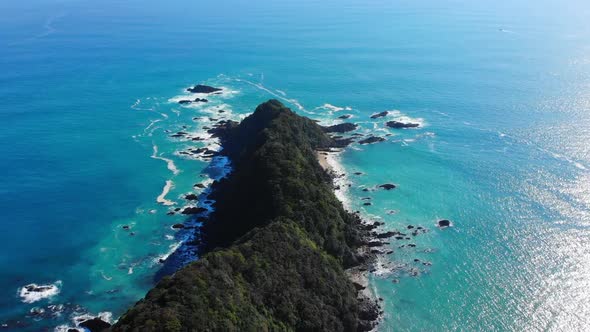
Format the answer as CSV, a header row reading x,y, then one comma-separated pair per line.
x,y
89,171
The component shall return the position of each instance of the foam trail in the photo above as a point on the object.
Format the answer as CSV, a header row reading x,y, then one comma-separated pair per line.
x,y
169,162
162,197
263,88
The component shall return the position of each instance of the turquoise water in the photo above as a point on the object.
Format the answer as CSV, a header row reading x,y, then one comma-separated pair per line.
x,y
502,91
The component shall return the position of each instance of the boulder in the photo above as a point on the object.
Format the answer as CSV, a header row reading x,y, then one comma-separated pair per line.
x,y
387,186
371,140
184,101
178,226
344,117
191,197
193,210
444,223
379,115
400,125
200,88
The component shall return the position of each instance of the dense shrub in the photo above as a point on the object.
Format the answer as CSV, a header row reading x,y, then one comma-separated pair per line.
x,y
276,244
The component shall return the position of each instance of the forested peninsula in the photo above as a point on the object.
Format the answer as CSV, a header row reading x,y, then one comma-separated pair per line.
x,y
277,251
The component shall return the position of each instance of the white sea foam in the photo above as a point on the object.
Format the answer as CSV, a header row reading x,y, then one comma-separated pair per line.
x,y
169,162
172,249
333,108
397,115
341,179
105,316
281,92
162,197
32,292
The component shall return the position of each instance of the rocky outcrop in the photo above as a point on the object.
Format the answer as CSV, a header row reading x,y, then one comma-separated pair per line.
x,y
400,125
341,128
371,140
199,88
379,115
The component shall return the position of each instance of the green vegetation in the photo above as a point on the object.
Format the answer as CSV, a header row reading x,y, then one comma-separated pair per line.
x,y
277,243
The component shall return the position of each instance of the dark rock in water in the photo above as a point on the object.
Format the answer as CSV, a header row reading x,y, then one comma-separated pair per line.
x,y
379,115
342,143
365,189
191,197
416,260
410,227
399,237
184,101
193,210
200,185
199,88
387,186
177,135
132,234
386,235
177,209
358,286
371,140
389,252
171,213
221,111
341,128
411,245
95,325
444,223
395,281
197,138
399,125
344,117
178,226
125,227
201,100
358,173
367,203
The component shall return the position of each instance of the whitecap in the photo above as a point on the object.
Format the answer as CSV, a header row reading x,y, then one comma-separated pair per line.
x,y
32,292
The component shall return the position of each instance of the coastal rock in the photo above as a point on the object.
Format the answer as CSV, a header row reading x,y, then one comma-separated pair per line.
x,y
444,223
184,102
95,325
386,235
191,197
201,100
387,186
193,210
379,115
400,125
178,226
341,128
345,116
200,185
200,88
371,140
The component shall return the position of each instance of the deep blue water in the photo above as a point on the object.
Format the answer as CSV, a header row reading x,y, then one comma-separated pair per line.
x,y
502,90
